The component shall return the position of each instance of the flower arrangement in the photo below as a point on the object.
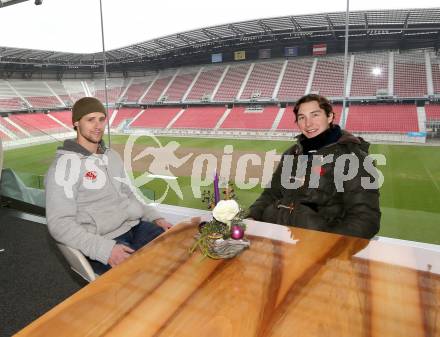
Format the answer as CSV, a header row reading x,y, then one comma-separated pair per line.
x,y
223,236
211,198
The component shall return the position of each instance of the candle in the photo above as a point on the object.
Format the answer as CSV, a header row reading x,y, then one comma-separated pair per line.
x,y
216,190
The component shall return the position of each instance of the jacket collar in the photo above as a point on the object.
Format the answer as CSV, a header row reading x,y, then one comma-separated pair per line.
x,y
325,138
344,138
72,146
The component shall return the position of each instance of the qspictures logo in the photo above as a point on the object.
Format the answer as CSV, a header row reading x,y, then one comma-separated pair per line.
x,y
146,159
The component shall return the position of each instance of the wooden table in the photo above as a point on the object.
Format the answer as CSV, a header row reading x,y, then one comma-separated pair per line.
x,y
291,282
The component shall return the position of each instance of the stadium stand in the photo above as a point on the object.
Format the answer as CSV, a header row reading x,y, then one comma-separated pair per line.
x,y
36,93
11,104
122,115
25,122
337,109
204,86
262,80
398,118
9,99
370,75
231,84
136,89
57,87
159,85
247,117
287,121
111,112
435,67
180,85
114,90
295,79
4,136
410,75
64,117
75,89
44,102
155,117
432,112
329,77
205,117
37,124
11,127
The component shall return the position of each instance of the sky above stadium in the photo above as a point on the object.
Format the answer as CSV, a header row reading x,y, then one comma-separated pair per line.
x,y
74,25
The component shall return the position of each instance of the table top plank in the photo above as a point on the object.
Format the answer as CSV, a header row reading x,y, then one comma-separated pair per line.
x,y
291,282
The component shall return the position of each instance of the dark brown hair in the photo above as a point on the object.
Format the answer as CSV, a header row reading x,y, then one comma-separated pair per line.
x,y
323,103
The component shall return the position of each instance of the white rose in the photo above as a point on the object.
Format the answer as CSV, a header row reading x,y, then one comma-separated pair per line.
x,y
225,211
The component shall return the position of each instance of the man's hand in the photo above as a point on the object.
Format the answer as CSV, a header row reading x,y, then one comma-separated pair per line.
x,y
161,222
119,254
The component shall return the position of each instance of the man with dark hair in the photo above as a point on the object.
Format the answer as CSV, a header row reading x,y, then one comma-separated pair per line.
x,y
323,182
90,204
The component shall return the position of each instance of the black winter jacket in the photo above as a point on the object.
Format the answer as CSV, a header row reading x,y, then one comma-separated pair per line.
x,y
334,203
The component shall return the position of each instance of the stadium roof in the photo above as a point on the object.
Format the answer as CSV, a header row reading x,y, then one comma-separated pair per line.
x,y
402,24
4,3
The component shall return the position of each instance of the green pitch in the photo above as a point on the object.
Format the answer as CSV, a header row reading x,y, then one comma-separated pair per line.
x,y
410,195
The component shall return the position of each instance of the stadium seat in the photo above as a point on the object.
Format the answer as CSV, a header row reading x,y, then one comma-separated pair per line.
x,y
37,123
157,117
242,117
74,90
3,136
232,82
180,85
397,118
124,114
370,74
435,65
200,117
11,104
432,111
295,79
410,75
114,90
78,263
64,117
156,89
329,76
136,89
205,84
263,79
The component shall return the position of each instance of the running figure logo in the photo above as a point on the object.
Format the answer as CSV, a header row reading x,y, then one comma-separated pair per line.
x,y
164,158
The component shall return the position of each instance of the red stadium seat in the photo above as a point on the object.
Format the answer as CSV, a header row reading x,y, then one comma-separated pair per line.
x,y
398,118
155,117
242,118
204,117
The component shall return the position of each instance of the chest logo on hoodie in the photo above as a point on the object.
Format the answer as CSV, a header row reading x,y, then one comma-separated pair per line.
x,y
91,175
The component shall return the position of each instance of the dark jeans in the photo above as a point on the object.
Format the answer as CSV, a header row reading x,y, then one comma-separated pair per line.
x,y
137,237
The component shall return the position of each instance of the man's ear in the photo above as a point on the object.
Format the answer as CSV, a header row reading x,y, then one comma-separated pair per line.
x,y
76,124
332,115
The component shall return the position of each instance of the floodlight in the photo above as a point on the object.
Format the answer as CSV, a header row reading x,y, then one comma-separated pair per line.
x,y
376,71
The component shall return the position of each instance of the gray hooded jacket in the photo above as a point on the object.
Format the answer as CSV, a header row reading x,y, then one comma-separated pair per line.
x,y
89,201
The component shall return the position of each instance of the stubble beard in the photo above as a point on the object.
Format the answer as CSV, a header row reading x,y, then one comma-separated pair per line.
x,y
90,139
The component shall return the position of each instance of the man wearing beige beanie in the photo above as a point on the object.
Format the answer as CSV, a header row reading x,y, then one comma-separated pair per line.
x,y
90,205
